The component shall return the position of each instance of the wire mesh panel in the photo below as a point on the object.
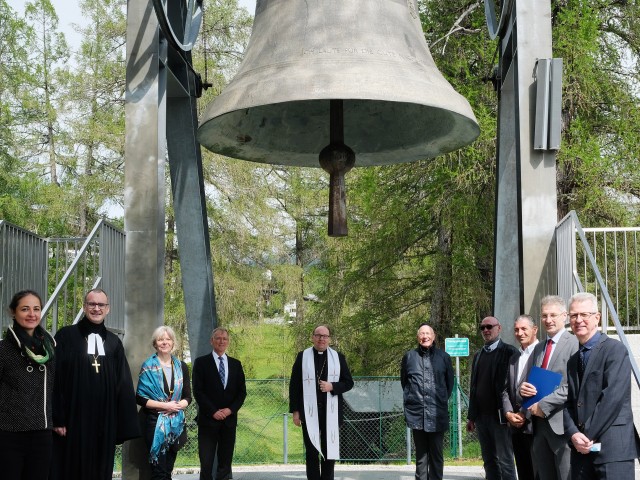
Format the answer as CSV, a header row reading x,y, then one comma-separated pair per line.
x,y
374,429
264,425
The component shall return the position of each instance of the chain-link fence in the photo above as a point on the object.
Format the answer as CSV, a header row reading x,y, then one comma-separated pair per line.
x,y
374,428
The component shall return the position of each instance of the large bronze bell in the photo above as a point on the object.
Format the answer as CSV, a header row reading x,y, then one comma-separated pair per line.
x,y
348,78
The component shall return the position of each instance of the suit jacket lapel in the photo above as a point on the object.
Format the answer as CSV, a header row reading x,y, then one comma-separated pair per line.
x,y
593,356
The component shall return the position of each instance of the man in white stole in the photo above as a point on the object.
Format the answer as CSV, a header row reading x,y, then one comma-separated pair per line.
x,y
319,377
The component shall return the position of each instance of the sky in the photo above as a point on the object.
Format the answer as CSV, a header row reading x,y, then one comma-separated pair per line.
x,y
69,14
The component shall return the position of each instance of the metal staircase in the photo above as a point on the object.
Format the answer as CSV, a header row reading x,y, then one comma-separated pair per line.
x,y
605,262
62,270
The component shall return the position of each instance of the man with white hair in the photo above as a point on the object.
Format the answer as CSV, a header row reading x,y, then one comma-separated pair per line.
x,y
426,376
598,419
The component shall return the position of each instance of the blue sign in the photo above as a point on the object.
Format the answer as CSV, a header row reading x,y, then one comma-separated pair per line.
x,y
457,347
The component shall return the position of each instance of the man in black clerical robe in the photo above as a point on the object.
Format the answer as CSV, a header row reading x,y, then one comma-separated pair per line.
x,y
94,405
319,377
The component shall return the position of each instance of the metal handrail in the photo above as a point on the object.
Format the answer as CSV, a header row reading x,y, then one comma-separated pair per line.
x,y
608,303
65,278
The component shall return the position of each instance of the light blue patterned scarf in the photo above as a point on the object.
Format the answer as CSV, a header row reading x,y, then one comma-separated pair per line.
x,y
151,386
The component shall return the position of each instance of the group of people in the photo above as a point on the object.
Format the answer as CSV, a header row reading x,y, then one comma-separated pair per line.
x,y
50,385
584,428
67,401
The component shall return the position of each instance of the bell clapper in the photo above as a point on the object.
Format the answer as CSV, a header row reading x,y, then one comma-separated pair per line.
x,y
337,159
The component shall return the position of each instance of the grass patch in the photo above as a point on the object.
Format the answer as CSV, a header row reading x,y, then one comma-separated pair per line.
x,y
266,351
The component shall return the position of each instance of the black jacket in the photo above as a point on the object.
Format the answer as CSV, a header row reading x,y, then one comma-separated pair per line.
x,y
26,389
211,396
426,376
499,367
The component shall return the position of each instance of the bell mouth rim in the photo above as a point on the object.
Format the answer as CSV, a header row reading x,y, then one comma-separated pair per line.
x,y
379,132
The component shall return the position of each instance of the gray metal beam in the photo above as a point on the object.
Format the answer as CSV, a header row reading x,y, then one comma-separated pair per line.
x,y
526,212
144,213
189,203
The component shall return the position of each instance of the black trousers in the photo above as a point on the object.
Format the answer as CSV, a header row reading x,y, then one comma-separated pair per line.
x,y
429,457
583,468
318,468
26,455
496,448
161,470
220,437
522,445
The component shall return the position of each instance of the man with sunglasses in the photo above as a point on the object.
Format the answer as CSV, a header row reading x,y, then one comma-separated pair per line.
x,y
94,404
319,377
488,375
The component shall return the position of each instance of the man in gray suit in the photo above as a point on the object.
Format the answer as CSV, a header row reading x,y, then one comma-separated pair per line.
x,y
598,419
551,452
525,331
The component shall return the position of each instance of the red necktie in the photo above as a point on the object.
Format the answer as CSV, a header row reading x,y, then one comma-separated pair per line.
x,y
547,354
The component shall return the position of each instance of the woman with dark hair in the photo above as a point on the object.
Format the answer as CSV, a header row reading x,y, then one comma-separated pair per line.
x,y
26,386
163,392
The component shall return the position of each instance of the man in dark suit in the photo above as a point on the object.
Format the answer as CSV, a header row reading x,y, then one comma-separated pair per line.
x,y
319,377
488,374
525,331
598,419
551,452
219,388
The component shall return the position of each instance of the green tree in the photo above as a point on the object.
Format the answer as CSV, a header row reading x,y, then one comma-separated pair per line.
x,y
48,55
17,185
95,144
598,177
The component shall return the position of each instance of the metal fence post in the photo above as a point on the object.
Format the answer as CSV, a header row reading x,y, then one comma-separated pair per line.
x,y
459,406
408,446
285,438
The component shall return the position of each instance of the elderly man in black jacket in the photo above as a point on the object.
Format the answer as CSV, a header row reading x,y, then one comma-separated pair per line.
x,y
426,376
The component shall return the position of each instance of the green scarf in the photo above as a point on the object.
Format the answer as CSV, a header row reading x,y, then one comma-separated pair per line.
x,y
38,347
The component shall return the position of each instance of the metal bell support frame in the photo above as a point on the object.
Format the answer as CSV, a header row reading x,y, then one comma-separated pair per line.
x,y
326,82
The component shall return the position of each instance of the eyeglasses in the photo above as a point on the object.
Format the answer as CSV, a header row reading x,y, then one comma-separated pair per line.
x,y
582,315
487,327
320,336
552,316
94,305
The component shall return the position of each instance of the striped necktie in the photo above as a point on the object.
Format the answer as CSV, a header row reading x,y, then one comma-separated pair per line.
x,y
221,371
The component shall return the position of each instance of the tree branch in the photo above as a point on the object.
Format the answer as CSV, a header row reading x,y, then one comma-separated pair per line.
x,y
456,27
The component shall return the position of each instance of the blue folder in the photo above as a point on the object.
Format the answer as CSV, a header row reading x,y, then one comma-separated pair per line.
x,y
545,382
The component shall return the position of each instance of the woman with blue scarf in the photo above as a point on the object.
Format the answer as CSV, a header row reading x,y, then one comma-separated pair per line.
x,y
164,392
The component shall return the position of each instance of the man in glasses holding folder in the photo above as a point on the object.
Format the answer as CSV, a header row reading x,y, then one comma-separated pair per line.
x,y
551,452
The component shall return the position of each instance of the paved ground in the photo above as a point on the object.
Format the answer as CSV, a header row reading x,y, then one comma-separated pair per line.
x,y
343,472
